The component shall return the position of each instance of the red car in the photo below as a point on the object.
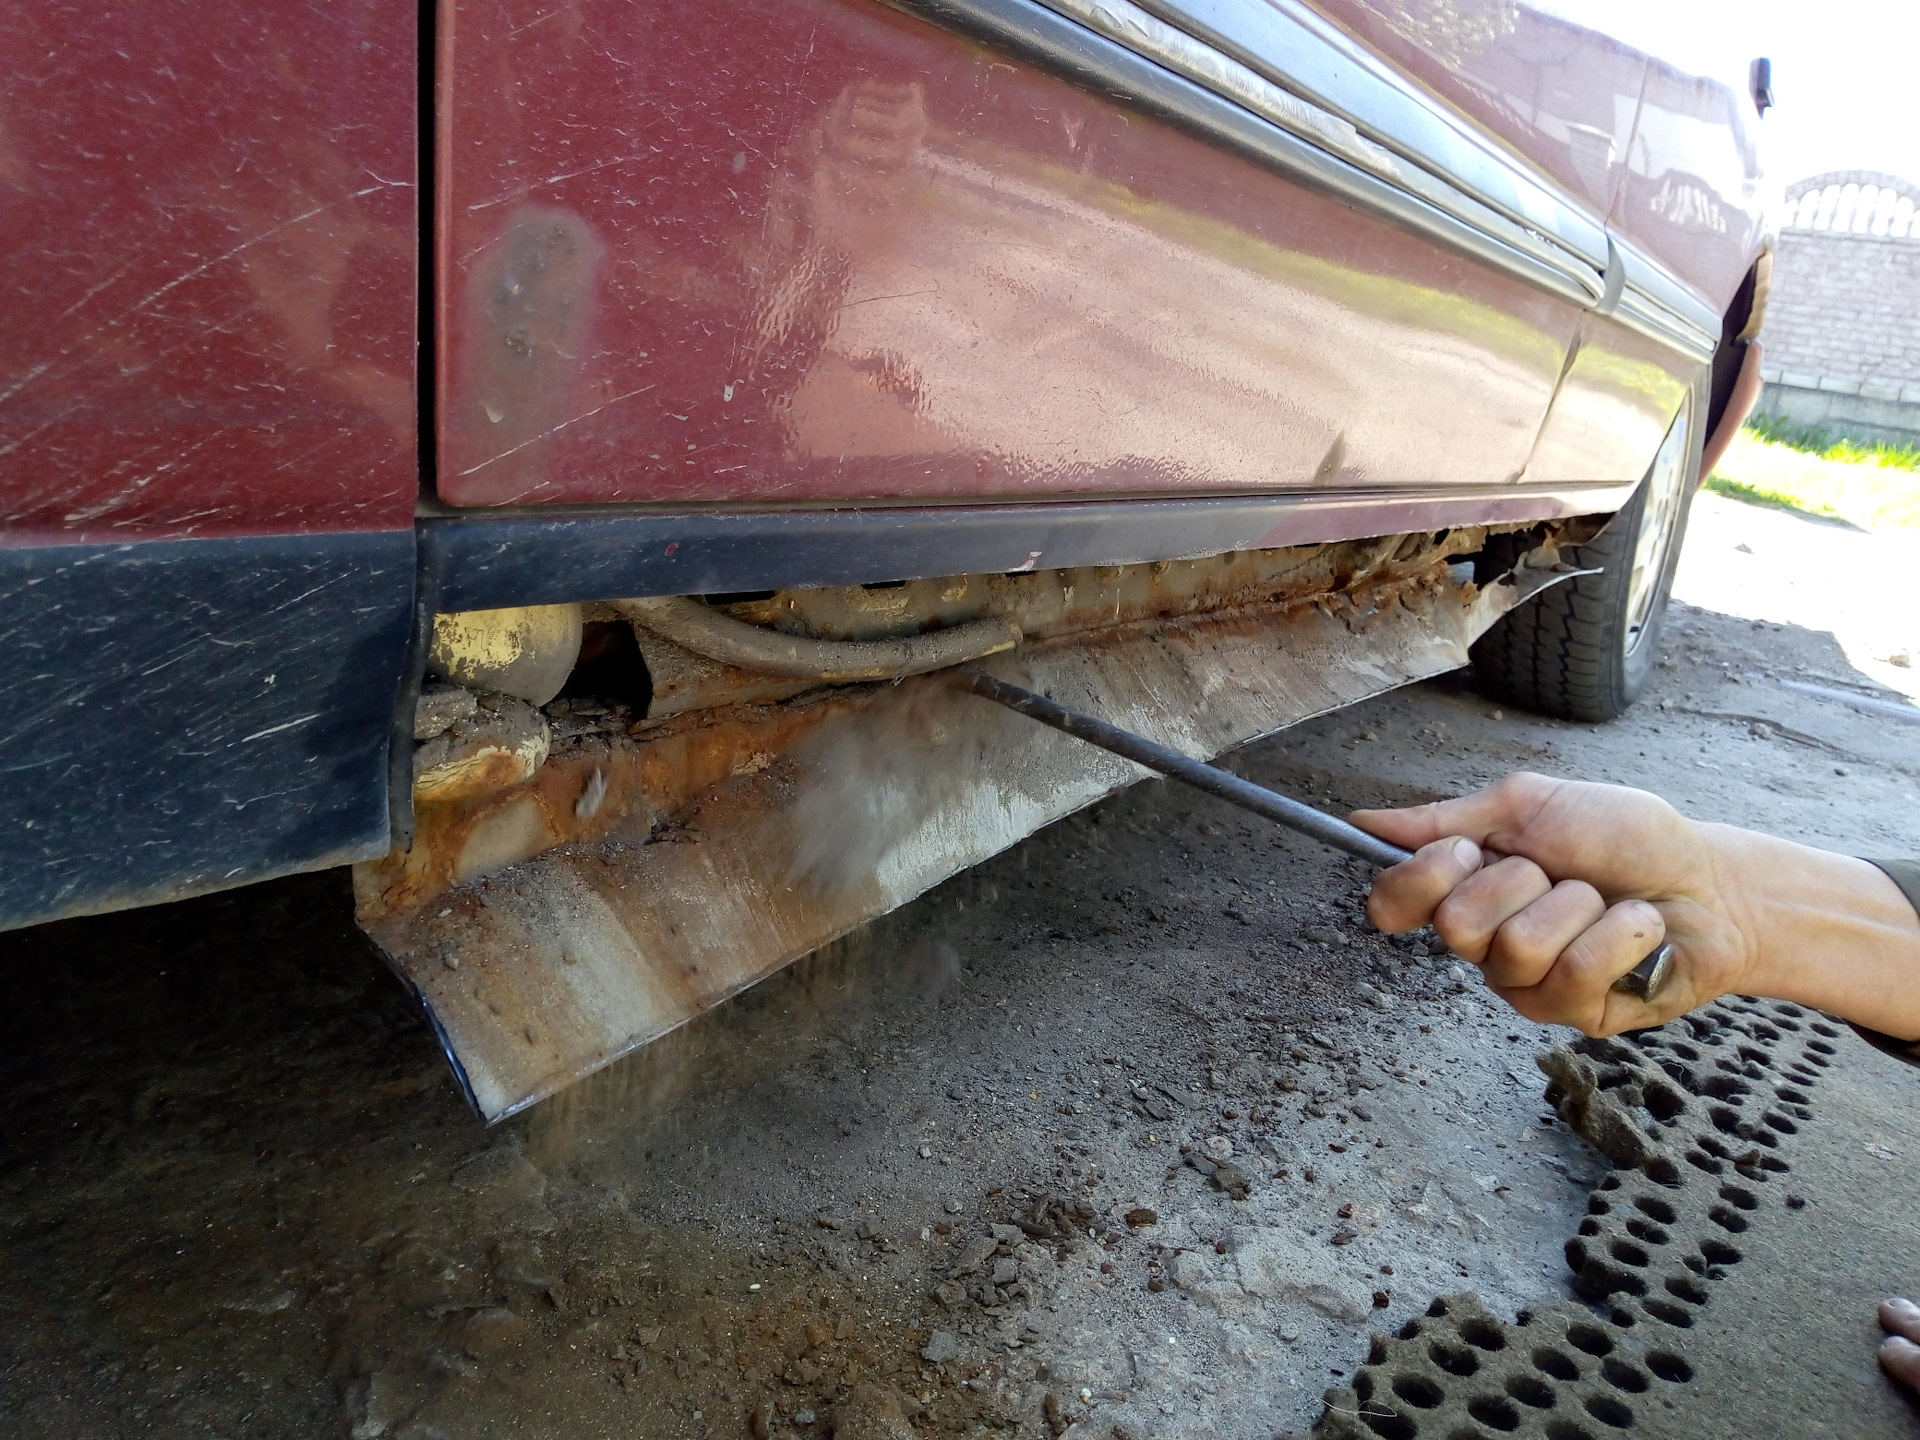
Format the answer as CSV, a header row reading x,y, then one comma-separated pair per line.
x,y
544,452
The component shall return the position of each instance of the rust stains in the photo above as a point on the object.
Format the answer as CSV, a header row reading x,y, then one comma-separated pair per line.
x,y
548,936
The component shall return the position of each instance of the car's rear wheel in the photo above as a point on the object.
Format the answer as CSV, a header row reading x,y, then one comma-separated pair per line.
x,y
1584,649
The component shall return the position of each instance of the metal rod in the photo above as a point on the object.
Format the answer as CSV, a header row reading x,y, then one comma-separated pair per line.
x,y
1644,980
1229,787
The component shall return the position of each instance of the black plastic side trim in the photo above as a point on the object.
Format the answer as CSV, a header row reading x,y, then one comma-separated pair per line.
x,y
485,560
179,716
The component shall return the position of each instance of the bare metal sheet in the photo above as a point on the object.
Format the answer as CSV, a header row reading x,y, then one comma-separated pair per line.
x,y
826,814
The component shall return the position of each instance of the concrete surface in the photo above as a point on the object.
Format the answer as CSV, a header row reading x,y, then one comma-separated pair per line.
x,y
239,1195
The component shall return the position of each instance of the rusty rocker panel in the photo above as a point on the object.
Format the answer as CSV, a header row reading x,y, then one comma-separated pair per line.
x,y
639,878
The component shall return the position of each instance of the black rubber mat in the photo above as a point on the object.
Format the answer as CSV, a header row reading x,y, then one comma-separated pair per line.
x,y
1706,1120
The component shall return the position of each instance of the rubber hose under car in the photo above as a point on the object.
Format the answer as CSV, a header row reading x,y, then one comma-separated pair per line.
x,y
718,636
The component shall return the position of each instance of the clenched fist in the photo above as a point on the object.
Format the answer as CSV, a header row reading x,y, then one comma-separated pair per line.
x,y
1556,888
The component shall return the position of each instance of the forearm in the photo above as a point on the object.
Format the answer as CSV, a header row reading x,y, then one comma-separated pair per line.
x,y
1823,930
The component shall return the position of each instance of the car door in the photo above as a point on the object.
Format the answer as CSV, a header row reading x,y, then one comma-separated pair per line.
x,y
814,252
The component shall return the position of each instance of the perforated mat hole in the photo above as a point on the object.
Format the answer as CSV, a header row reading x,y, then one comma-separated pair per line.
x,y
1725,1087
1388,1423
1663,1102
1590,1338
1656,1207
1589,1227
1724,1120
1775,1164
1757,1055
1819,1047
1669,1366
1531,1390
1494,1410
1597,1206
1718,1252
1610,1182
1676,1315
1763,1031
1363,1385
1780,1123
1745,1199
1792,1096
1823,1029
1691,1291
1566,1430
1553,1362
1482,1334
1410,1330
1437,1308
1609,1411
1714,1147
1648,1231
1685,1051
1727,1219
1628,1253
1701,1162
1661,1170
1622,1318
1454,1359
1801,1112
1623,1376
1419,1391
1787,1007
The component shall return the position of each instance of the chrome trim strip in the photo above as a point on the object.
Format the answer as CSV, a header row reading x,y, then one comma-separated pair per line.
x,y
1338,118
1141,32
1656,304
1302,52
1073,49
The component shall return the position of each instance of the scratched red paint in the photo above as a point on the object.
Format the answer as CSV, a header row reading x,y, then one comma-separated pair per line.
x,y
208,214
828,251
1671,160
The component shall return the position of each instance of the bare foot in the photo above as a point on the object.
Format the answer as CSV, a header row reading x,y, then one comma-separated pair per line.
x,y
1900,1351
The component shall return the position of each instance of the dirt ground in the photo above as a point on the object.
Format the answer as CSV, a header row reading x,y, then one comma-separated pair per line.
x,y
959,1176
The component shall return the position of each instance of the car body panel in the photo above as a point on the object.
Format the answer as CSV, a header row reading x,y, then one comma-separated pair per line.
x,y
213,240
1671,159
834,252
208,467
1694,198
797,292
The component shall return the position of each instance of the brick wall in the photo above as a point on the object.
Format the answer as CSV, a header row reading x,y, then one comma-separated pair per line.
x,y
1846,308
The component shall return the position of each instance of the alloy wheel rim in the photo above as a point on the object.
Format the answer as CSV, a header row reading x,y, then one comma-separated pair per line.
x,y
1666,481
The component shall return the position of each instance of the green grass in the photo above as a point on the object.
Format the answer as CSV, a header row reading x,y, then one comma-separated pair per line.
x,y
1876,487
1812,440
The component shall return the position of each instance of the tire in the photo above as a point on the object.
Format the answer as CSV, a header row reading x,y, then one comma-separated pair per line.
x,y
1585,648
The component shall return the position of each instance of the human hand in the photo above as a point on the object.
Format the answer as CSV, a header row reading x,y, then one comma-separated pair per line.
x,y
1556,888
1899,1354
